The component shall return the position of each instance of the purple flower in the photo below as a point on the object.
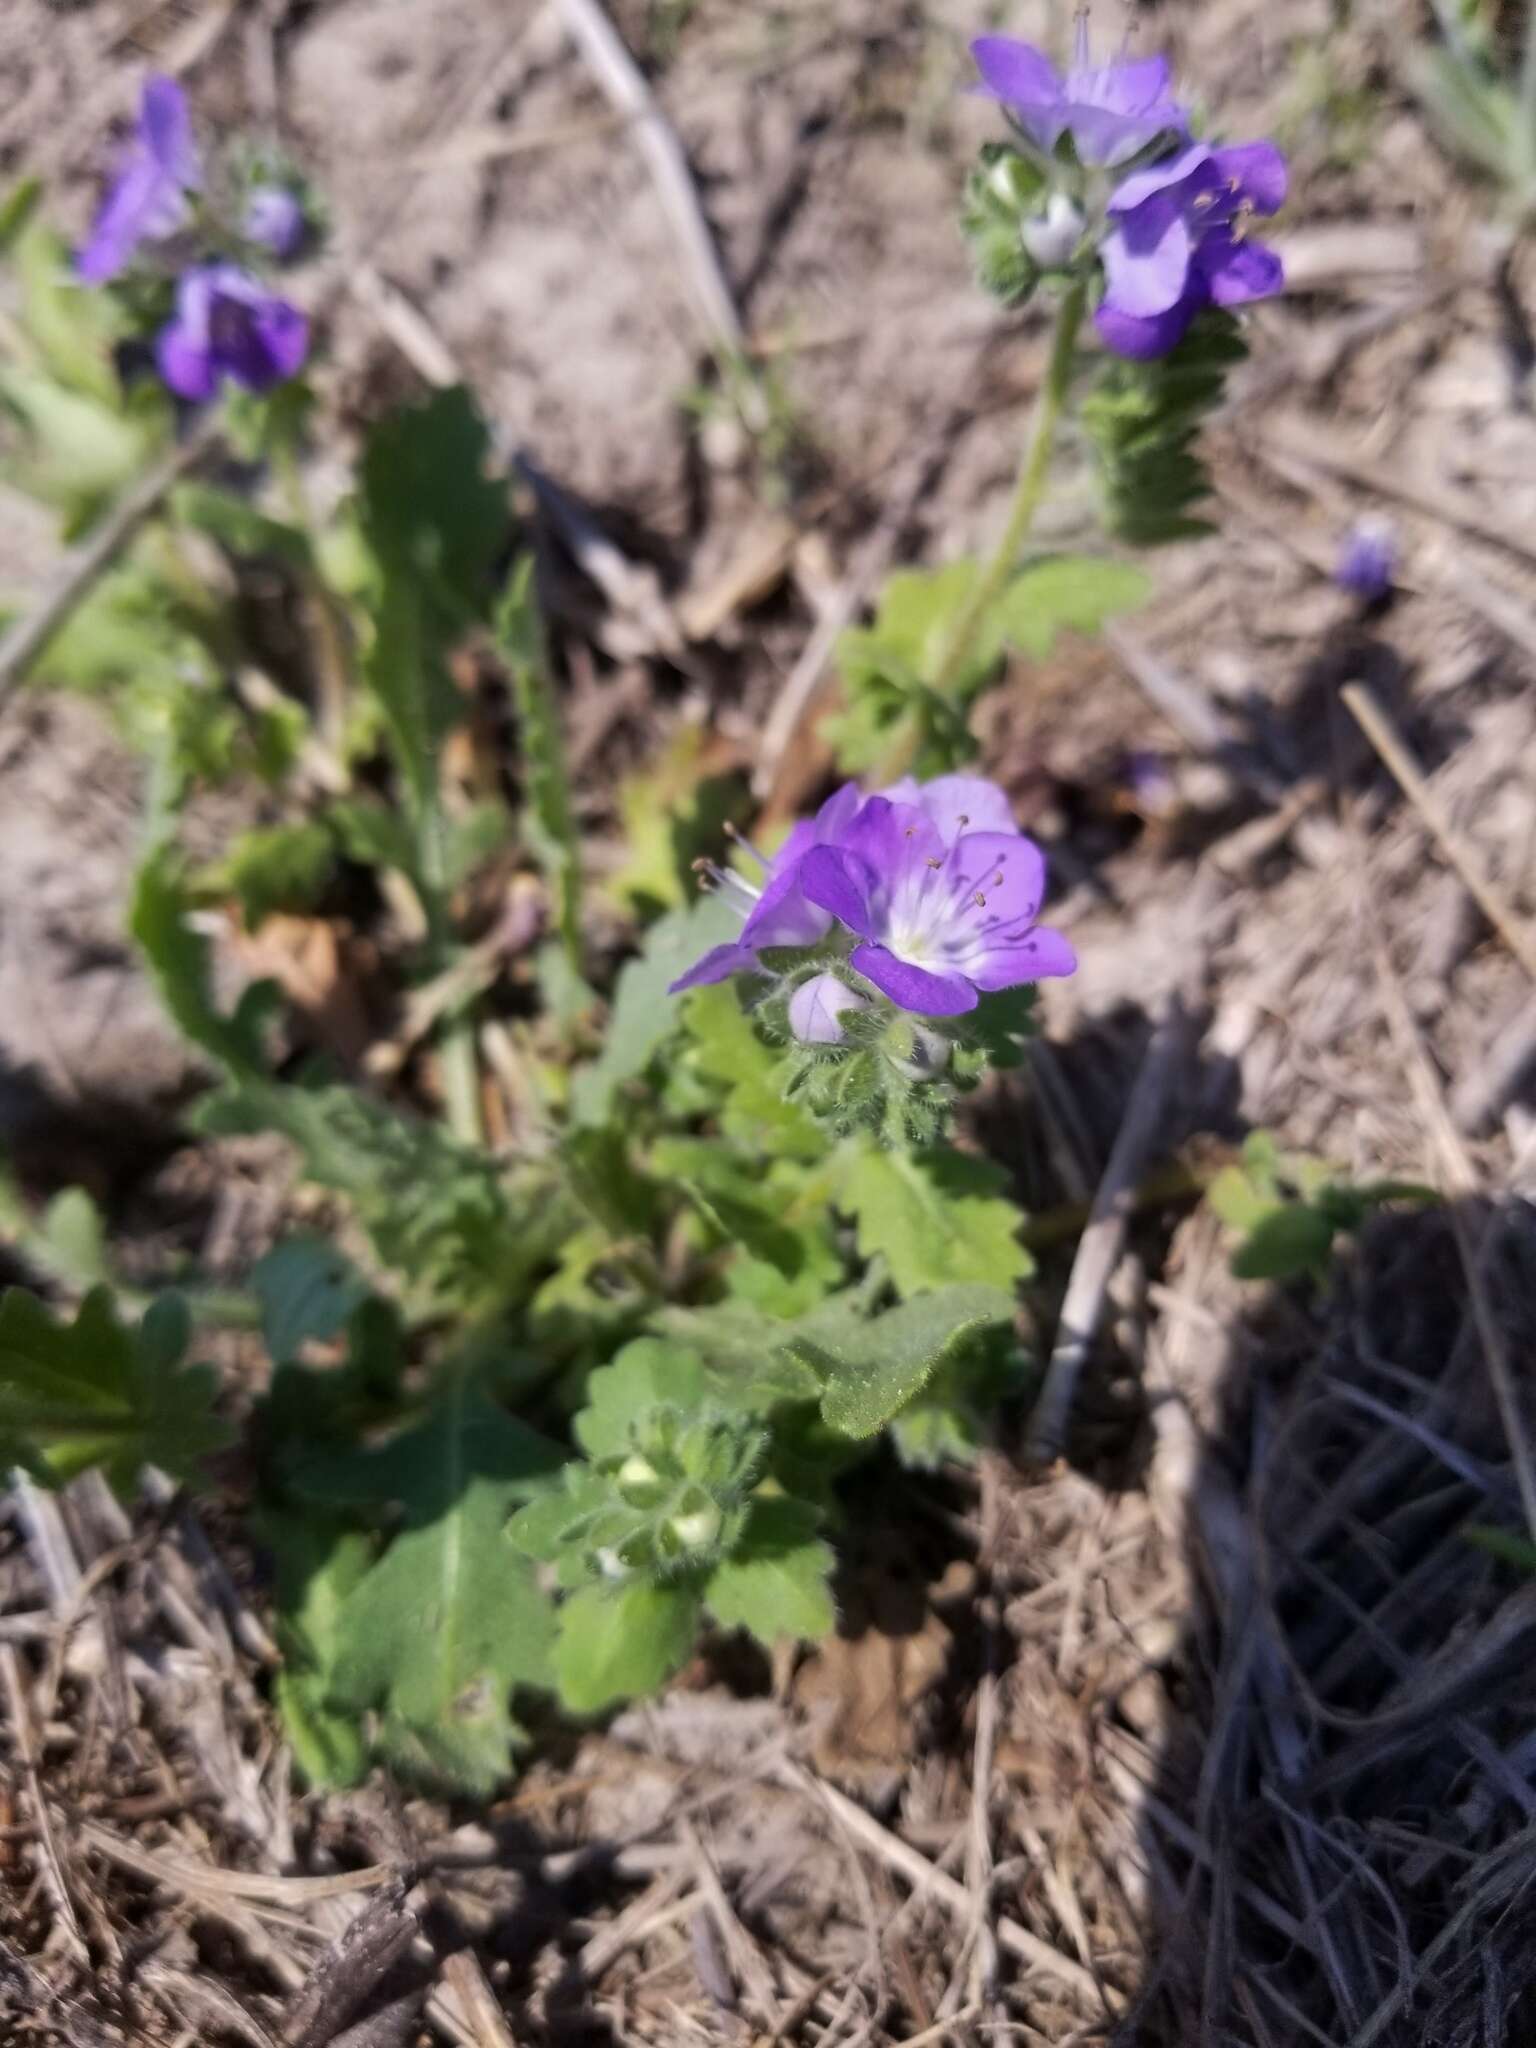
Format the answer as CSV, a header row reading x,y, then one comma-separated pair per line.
x,y
274,220
1176,244
228,325
817,1007
1110,110
1367,561
778,914
940,922
147,199
956,803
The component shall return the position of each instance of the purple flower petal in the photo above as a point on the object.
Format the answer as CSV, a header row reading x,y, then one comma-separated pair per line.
x,y
1147,258
837,814
165,126
1016,73
228,324
147,199
1044,954
1258,172
1238,272
1141,337
914,988
839,882
782,916
1190,166
718,964
956,804
891,836
1004,867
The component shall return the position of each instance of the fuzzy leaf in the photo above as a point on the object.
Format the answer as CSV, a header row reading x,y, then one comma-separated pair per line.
x,y
178,959
437,1212
775,1580
871,1370
317,1566
937,1218
435,523
643,1015
1288,1242
91,1392
275,867
1067,594
644,1375
307,1289
619,1642
551,820
727,1050
450,1619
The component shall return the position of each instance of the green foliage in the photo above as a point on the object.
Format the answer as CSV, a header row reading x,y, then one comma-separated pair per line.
x,y
1481,114
937,1218
1288,1209
307,1290
179,960
673,811
93,1392
318,1564
1001,194
275,867
890,667
551,819
643,1016
433,1637
617,1642
1143,421
435,524
664,1520
872,1369
438,1214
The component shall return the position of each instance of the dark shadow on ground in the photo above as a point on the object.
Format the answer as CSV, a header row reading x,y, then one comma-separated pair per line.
x,y
1339,1832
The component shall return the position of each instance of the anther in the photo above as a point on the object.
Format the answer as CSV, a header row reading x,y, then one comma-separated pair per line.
x,y
979,899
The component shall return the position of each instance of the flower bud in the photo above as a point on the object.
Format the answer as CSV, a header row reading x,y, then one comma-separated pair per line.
x,y
637,1472
817,1007
698,1529
1051,238
1367,561
274,219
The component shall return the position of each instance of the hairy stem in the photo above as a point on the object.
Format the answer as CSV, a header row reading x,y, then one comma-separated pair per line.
x,y
1027,492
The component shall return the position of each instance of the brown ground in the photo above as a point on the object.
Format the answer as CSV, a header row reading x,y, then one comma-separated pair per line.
x,y
1222,1730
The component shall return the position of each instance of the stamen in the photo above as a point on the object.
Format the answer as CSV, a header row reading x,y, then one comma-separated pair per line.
x,y
978,898
746,846
931,863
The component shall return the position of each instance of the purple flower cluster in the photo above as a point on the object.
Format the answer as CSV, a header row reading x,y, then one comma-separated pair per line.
x,y
934,884
1175,237
227,326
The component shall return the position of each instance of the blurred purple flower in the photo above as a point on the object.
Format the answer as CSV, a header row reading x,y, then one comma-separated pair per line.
x,y
778,914
274,220
229,326
956,803
817,1007
1176,243
1110,110
1367,561
147,199
939,922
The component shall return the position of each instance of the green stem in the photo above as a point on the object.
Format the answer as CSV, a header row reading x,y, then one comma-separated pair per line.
x,y
456,1044
1027,492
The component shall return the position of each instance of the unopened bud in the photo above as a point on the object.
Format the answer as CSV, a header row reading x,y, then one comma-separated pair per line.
x,y
698,1529
817,1007
1051,238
